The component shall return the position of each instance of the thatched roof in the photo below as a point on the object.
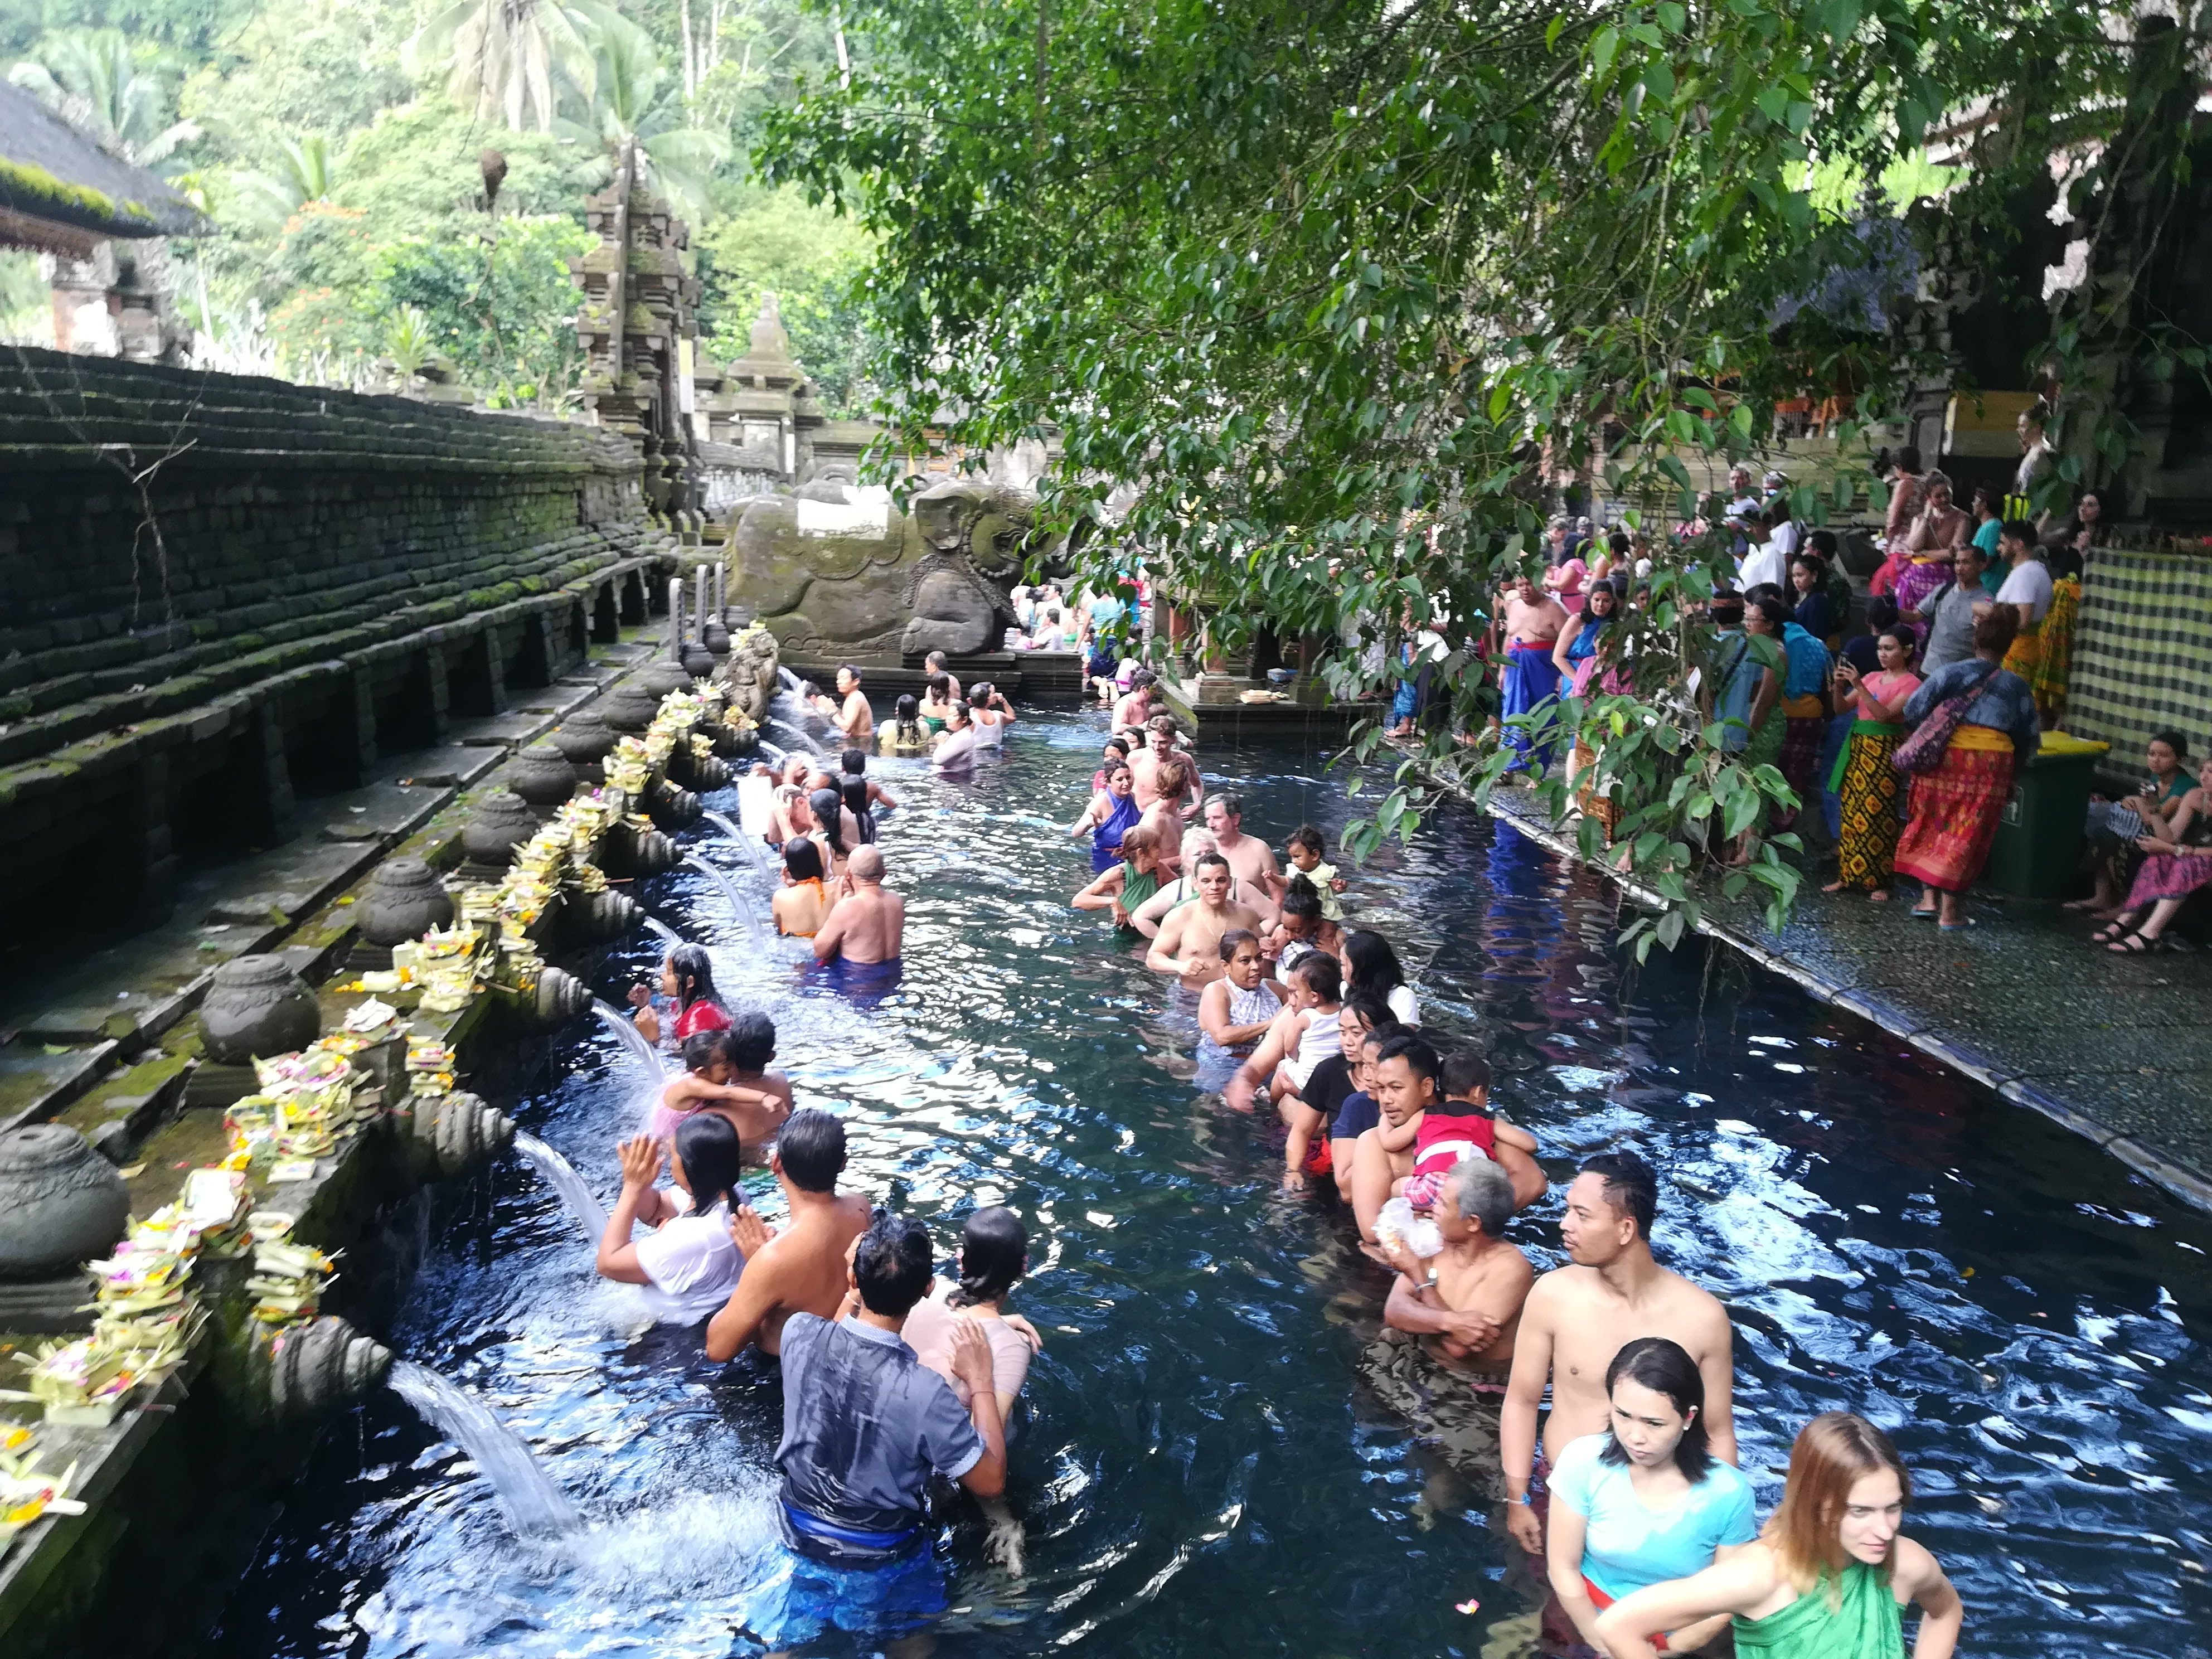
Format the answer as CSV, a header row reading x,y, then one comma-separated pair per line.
x,y
60,190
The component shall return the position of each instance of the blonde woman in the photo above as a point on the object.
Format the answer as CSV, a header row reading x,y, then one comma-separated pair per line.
x,y
1830,1576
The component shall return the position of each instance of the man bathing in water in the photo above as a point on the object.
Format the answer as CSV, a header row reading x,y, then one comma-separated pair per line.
x,y
800,1269
848,710
1190,941
1578,1317
1159,746
867,924
1251,860
1450,1325
1177,891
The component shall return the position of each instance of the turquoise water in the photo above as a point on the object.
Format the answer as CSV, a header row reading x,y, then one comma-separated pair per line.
x,y
1198,1470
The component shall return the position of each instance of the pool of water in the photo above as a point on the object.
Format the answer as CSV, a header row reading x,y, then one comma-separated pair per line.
x,y
1198,1470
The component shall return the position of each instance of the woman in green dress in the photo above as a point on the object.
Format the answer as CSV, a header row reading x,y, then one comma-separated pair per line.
x,y
1830,1575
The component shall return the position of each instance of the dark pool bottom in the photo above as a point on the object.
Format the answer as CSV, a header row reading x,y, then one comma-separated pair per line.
x,y
1202,1471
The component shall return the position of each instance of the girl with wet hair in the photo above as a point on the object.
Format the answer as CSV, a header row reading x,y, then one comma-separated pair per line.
x,y
994,1253
687,979
829,808
903,734
1830,1576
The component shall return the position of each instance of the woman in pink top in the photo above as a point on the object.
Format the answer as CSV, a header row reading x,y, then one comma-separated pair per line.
x,y
1564,580
1937,535
1863,777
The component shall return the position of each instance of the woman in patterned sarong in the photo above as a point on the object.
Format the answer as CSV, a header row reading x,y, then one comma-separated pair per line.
x,y
1940,530
1863,777
2177,861
1956,806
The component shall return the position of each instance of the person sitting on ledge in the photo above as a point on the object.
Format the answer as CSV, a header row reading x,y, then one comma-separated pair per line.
x,y
2177,861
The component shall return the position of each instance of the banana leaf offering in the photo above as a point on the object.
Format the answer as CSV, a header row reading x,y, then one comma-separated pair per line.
x,y
27,1495
288,1282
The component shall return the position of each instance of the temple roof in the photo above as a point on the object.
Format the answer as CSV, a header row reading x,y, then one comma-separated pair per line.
x,y
60,190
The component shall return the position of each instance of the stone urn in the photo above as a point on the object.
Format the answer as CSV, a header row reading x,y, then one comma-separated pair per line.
x,y
60,1204
698,660
664,676
540,775
502,820
630,707
608,914
672,808
256,1005
404,900
715,636
584,738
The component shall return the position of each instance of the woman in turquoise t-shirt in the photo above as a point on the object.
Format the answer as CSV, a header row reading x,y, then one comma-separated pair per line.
x,y
1989,529
1647,1501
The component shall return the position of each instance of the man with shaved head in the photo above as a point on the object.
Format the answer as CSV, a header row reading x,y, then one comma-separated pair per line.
x,y
868,923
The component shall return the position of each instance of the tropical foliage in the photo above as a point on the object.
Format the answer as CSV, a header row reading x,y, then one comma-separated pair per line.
x,y
342,147
1343,290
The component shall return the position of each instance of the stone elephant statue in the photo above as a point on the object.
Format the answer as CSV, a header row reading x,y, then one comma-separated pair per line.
x,y
845,577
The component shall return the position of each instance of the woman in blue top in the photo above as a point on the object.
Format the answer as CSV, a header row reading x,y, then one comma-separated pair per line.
x,y
1647,1501
1112,812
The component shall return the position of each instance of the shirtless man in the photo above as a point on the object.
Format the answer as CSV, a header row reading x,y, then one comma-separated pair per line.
x,y
1189,940
1177,890
868,924
1135,707
800,1269
1251,860
934,664
1468,1312
1533,620
853,717
1442,1356
1578,1316
1159,743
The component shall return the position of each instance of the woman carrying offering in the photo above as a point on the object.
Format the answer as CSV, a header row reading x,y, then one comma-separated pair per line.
x,y
1956,803
1830,1576
1647,1501
1863,778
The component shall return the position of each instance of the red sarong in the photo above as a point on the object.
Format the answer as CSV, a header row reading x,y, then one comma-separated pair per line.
x,y
1955,810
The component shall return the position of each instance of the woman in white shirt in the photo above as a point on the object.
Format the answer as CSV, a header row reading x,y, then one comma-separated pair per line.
x,y
690,1264
1371,968
991,713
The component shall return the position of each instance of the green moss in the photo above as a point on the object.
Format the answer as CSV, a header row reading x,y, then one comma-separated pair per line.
x,y
23,180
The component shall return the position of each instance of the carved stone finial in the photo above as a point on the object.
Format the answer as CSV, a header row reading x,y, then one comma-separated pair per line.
x,y
768,338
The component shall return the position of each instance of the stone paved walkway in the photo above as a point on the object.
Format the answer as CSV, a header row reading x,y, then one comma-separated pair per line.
x,y
2119,1048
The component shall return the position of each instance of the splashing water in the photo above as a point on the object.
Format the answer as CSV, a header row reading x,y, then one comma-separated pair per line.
x,y
535,1507
738,908
666,932
632,1040
560,1176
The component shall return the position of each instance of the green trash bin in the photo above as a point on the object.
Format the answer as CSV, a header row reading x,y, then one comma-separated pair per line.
x,y
2038,850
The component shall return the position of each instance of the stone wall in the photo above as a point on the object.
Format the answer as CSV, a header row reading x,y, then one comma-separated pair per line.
x,y
219,594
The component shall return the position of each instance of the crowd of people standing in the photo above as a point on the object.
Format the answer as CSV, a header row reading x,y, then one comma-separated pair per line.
x,y
1629,1496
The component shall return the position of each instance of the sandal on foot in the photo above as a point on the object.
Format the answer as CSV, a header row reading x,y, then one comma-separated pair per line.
x,y
2118,931
2136,944
1923,915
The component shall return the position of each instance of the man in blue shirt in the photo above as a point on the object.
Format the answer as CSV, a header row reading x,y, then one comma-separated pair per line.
x,y
864,1425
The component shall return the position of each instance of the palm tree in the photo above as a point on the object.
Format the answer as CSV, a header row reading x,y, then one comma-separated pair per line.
x,y
631,95
305,172
93,80
501,55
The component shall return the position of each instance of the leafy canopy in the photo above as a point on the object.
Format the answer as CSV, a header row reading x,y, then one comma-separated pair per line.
x,y
1340,290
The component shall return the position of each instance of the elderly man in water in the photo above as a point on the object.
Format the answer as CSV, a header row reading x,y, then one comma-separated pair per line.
x,y
867,924
1444,1356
